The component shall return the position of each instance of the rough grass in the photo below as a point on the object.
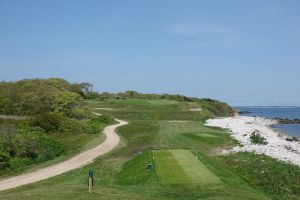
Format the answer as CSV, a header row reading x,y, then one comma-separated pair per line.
x,y
267,173
181,167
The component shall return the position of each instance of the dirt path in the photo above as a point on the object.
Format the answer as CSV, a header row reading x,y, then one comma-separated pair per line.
x,y
84,158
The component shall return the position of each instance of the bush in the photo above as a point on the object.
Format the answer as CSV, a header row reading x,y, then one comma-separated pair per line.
x,y
256,138
78,114
4,160
104,119
26,146
50,122
58,123
96,124
18,162
33,142
49,148
91,127
66,102
25,141
37,96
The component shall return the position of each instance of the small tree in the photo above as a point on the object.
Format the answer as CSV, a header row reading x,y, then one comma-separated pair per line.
x,y
65,102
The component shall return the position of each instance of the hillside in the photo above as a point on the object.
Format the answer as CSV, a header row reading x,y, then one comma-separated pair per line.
x,y
46,119
165,131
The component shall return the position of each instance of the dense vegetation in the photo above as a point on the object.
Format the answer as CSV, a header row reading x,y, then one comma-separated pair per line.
x,y
27,145
37,96
34,112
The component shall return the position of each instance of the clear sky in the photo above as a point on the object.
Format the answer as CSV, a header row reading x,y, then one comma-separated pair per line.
x,y
244,52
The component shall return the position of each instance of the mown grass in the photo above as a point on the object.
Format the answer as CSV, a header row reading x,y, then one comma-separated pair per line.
x,y
140,109
122,174
179,166
134,171
143,102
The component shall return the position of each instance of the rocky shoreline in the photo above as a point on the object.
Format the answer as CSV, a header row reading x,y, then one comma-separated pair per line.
x,y
278,146
287,121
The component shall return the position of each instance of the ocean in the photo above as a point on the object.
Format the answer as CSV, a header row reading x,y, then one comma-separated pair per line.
x,y
273,112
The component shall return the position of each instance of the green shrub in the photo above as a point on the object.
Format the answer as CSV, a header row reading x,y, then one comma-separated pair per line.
x,y
92,127
256,138
49,148
18,162
58,123
70,126
32,142
25,141
95,125
37,96
50,122
26,146
103,119
66,102
4,160
78,114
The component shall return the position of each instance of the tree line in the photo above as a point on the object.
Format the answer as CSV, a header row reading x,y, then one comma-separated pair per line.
x,y
37,96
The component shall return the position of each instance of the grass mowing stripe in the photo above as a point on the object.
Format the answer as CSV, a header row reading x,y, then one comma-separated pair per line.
x,y
194,168
167,168
206,135
134,171
181,167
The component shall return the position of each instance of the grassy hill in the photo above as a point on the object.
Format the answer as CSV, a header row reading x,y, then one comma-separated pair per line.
x,y
168,133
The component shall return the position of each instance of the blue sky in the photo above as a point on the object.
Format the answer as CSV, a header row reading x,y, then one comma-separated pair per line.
x,y
244,52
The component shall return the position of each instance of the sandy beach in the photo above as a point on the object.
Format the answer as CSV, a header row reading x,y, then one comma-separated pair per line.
x,y
241,128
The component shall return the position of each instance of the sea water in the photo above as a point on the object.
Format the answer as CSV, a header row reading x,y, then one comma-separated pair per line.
x,y
276,112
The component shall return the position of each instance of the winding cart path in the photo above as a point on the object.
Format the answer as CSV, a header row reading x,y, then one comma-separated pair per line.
x,y
84,158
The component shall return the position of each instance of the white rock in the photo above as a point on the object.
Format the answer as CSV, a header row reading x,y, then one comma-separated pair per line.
x,y
276,147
